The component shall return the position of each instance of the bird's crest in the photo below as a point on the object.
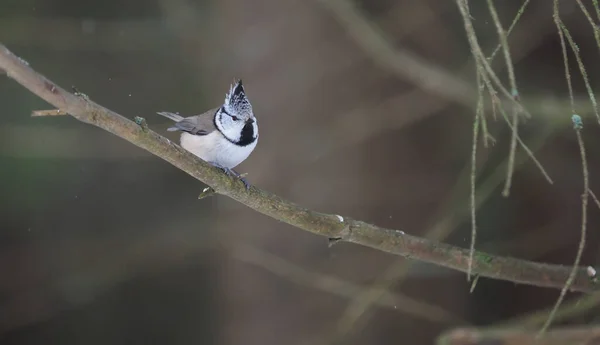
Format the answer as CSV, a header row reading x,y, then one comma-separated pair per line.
x,y
236,100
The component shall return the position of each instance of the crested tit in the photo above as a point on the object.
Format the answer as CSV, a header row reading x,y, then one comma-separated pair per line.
x,y
223,136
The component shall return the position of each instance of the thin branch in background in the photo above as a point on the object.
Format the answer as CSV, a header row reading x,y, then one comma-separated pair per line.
x,y
596,201
510,29
587,14
479,111
474,284
512,153
578,126
597,8
525,148
478,115
508,122
493,101
575,49
501,45
480,58
484,65
563,46
487,137
513,85
505,49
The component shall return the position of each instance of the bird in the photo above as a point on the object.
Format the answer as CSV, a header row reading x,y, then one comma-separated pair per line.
x,y
223,136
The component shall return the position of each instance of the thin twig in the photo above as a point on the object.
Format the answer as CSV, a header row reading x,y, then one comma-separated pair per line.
x,y
577,124
510,29
511,154
327,225
584,202
525,147
513,85
480,57
476,120
597,8
595,198
482,67
479,112
594,26
586,81
505,48
563,46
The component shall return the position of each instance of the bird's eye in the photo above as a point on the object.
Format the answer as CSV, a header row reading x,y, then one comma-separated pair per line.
x,y
235,118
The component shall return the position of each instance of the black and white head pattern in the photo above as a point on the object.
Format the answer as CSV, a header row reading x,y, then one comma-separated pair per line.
x,y
235,119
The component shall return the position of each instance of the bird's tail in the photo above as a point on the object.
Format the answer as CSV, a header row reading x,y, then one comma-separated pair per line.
x,y
172,116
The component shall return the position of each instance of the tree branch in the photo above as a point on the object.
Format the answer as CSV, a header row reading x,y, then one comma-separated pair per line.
x,y
329,225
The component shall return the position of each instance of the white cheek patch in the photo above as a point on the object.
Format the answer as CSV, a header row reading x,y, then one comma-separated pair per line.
x,y
230,129
219,121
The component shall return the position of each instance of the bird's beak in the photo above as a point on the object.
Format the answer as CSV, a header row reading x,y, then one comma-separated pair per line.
x,y
250,121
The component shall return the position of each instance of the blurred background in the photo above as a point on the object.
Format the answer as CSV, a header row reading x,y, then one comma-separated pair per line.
x,y
365,110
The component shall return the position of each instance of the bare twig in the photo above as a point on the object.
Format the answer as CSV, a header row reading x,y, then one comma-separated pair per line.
x,y
594,26
582,70
487,75
478,115
511,153
505,48
514,91
595,198
328,225
525,147
510,29
480,58
577,124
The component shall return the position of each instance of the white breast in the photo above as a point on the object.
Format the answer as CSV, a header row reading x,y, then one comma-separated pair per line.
x,y
214,148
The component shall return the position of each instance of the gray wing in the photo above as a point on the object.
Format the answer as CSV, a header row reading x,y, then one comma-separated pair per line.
x,y
202,124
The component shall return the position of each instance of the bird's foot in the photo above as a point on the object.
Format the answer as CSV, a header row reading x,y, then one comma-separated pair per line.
x,y
230,172
244,181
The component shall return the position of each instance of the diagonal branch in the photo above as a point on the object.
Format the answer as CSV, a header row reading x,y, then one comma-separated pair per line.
x,y
328,225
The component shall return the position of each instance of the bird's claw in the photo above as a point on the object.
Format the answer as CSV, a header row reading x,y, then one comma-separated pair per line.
x,y
227,171
245,182
230,172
